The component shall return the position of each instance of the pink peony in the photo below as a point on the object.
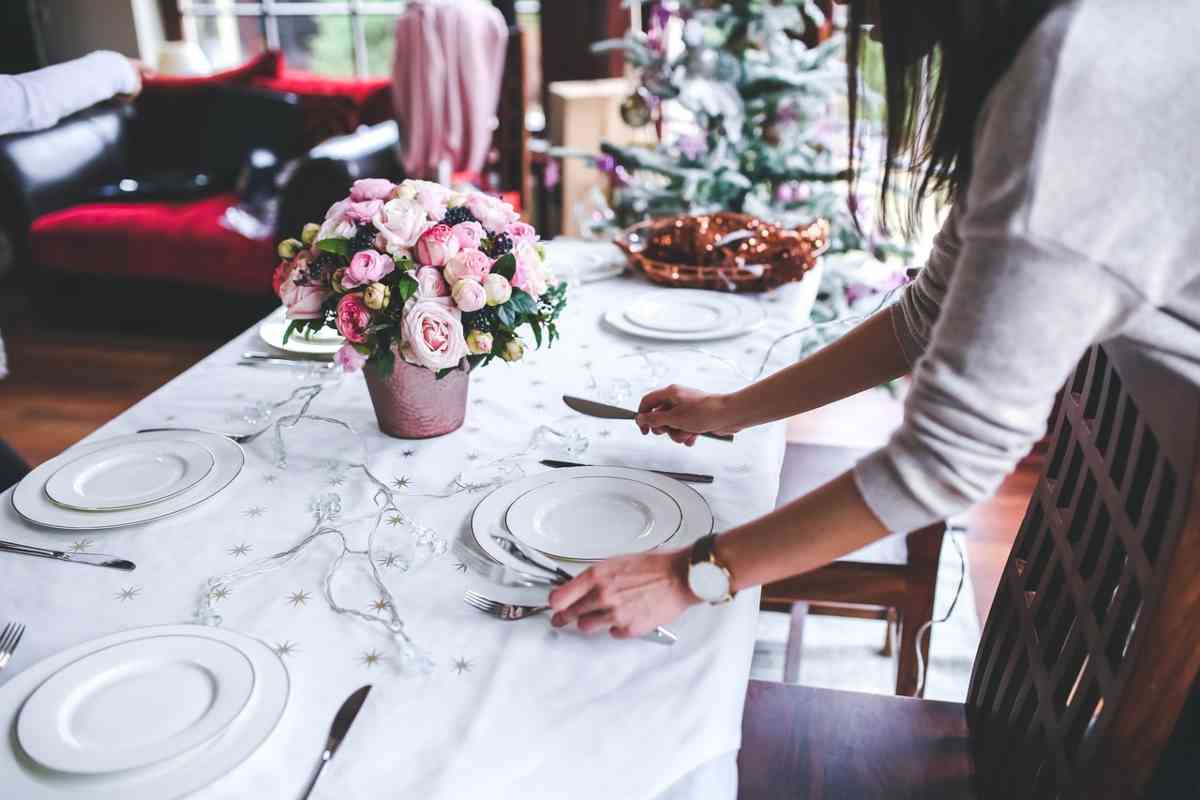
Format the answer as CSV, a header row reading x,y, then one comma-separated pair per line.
x,y
353,318
367,266
433,197
469,295
363,212
433,334
302,301
401,222
349,359
430,283
371,189
468,264
436,246
281,274
521,233
528,275
469,235
494,213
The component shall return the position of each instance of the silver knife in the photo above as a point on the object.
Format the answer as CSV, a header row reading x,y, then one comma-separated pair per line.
x,y
689,477
273,361
88,559
337,732
593,409
252,355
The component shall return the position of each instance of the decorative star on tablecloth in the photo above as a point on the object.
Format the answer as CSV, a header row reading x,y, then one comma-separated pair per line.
x,y
390,560
408,453
336,480
401,482
395,519
380,604
298,598
286,648
472,456
128,593
81,545
605,433
461,665
255,511
270,478
370,658
478,401
219,592
537,382
460,566
237,551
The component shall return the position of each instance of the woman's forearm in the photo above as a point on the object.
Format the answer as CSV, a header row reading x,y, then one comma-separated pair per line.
x,y
807,533
867,356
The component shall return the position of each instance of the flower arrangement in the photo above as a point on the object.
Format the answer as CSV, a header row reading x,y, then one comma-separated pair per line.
x,y
437,277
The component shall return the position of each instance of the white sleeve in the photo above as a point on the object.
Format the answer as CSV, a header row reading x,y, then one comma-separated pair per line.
x,y
914,315
39,99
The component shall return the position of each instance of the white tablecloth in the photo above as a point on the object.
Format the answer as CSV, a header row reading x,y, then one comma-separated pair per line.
x,y
510,709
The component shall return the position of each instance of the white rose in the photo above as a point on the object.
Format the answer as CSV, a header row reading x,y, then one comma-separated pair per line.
x,y
497,289
401,223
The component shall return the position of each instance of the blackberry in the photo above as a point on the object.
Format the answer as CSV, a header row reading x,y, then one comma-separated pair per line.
x,y
485,319
364,238
499,244
458,215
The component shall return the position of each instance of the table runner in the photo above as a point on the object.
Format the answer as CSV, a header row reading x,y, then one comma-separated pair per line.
x,y
509,708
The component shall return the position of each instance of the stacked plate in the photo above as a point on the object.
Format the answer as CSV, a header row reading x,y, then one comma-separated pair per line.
x,y
140,715
324,342
686,315
128,480
578,515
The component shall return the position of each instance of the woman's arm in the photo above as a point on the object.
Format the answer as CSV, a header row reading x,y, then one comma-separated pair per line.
x,y
39,99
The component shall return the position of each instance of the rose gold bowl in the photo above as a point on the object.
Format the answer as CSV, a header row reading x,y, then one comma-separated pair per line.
x,y
412,404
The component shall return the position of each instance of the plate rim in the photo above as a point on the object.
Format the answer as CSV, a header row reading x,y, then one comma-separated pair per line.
x,y
615,318
314,349
646,297
106,769
164,779
200,497
212,464
580,559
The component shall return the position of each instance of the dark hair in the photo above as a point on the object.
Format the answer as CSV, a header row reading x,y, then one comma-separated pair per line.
x,y
941,59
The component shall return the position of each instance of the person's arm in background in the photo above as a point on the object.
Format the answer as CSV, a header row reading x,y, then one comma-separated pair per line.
x,y
39,99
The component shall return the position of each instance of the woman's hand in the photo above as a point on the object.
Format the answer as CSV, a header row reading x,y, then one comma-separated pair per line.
x,y
683,413
629,595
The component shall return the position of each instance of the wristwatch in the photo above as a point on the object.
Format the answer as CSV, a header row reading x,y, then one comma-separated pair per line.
x,y
708,578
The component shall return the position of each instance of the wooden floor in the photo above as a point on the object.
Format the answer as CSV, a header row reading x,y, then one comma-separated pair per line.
x,y
63,385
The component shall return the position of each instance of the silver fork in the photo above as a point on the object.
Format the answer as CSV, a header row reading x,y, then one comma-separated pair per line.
x,y
10,637
508,611
240,438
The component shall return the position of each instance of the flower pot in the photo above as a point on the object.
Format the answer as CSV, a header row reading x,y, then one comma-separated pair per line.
x,y
412,403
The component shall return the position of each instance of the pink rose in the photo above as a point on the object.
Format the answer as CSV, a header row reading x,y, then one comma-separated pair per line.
x,y
494,213
433,334
469,235
371,189
468,264
353,318
349,359
431,196
469,295
401,222
521,233
367,266
430,283
364,212
528,275
336,225
436,246
303,301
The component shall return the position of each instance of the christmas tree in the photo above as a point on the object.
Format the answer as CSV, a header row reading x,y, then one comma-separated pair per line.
x,y
750,110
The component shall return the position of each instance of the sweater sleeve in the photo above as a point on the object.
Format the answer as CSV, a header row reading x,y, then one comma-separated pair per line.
x,y
39,99
915,313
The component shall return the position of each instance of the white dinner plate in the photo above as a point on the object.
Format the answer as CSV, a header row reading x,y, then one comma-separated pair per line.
x,y
130,474
678,320
135,703
324,342
488,516
683,311
30,500
22,777
593,518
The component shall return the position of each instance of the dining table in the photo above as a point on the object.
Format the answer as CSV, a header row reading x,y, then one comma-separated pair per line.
x,y
502,709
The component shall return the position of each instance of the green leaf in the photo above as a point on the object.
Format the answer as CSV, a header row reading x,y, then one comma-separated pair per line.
x,y
537,331
507,315
339,246
522,303
383,362
292,327
406,287
506,265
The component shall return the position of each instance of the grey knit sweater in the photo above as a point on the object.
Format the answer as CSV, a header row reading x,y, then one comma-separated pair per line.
x,y
1081,224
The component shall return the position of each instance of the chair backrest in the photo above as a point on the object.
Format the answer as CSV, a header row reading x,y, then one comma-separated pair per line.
x,y
1093,641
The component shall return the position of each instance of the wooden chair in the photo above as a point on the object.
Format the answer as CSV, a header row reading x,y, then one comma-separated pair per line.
x,y
892,580
1091,647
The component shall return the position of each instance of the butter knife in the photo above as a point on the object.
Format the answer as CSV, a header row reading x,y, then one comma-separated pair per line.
x,y
337,732
688,477
88,559
593,409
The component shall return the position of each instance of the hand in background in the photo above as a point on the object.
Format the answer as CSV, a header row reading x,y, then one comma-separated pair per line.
x,y
143,71
683,414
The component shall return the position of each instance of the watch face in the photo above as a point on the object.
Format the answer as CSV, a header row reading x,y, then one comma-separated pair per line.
x,y
708,581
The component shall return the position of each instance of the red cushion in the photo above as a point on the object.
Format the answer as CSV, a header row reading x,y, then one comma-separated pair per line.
x,y
332,106
267,64
181,242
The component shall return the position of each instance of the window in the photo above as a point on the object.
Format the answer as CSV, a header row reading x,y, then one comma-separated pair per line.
x,y
346,38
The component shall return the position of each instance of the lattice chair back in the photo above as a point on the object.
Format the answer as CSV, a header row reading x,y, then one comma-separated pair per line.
x,y
1093,641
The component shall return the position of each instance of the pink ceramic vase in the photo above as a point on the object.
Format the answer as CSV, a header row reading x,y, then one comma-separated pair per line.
x,y
412,404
